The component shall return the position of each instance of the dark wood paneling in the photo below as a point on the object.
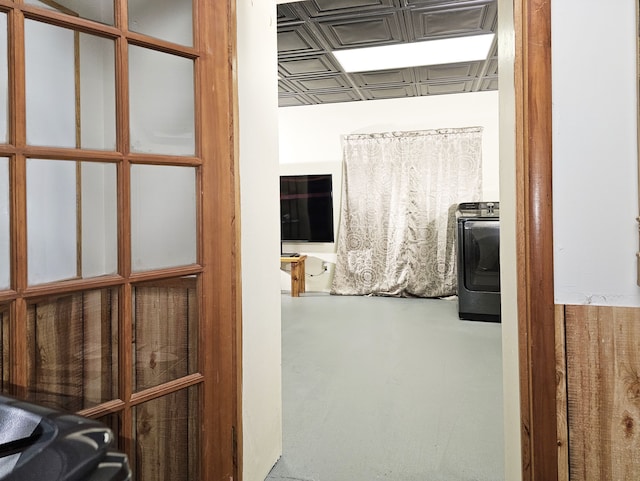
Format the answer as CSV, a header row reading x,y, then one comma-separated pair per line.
x,y
72,339
561,396
167,447
603,384
163,347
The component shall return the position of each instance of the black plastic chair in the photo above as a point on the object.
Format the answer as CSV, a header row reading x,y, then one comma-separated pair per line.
x,y
38,443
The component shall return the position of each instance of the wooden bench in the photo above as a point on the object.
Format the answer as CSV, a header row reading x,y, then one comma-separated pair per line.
x,y
297,273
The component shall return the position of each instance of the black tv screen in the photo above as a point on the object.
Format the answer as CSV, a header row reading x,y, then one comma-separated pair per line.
x,y
306,208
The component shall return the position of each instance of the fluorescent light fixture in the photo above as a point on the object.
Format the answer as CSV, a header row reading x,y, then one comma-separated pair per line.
x,y
430,52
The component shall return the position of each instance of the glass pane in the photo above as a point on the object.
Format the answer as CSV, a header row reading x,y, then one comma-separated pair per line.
x,y
99,221
71,220
161,102
5,246
165,331
4,81
97,93
170,20
99,11
167,437
72,357
163,216
50,85
70,103
4,349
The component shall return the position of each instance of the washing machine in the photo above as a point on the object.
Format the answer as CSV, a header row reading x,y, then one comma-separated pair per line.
x,y
478,261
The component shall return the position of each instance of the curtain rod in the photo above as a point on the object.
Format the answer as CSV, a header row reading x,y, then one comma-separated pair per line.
x,y
413,133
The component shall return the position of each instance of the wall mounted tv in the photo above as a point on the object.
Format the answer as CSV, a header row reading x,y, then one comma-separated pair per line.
x,y
306,208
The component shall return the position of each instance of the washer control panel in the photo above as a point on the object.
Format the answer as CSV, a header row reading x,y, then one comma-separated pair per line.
x,y
479,209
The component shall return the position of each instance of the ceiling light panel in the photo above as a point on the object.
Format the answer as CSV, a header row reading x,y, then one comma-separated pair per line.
x,y
431,52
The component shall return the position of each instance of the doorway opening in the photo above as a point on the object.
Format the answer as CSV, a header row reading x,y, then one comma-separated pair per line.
x,y
324,254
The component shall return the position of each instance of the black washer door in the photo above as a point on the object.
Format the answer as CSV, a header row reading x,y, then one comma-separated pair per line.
x,y
482,255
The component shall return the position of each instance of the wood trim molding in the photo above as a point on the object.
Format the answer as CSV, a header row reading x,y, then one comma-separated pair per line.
x,y
220,301
535,243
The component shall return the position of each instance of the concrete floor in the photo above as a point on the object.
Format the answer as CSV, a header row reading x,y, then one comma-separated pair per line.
x,y
388,389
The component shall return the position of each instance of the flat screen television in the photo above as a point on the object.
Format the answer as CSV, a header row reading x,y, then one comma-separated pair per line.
x,y
306,208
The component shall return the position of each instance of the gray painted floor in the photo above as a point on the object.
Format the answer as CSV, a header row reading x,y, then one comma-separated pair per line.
x,y
388,389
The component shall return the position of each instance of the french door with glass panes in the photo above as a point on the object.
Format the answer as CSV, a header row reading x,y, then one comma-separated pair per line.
x,y
118,291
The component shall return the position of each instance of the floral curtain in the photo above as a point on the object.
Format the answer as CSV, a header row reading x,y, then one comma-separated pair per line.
x,y
399,195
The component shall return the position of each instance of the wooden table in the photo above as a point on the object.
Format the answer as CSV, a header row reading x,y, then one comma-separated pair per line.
x,y
297,273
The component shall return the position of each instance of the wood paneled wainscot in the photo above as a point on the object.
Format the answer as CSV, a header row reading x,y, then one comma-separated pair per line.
x,y
602,391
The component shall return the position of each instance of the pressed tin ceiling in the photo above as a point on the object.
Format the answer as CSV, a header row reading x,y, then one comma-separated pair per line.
x,y
309,31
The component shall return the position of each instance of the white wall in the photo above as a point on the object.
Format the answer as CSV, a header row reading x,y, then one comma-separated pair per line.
x,y
259,191
595,180
508,252
311,143
313,133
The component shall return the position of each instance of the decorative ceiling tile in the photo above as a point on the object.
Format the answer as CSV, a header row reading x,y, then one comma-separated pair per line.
x,y
296,40
493,51
286,14
285,88
322,83
363,31
383,77
437,3
320,8
429,23
335,97
445,88
489,83
292,101
492,67
320,65
451,71
389,92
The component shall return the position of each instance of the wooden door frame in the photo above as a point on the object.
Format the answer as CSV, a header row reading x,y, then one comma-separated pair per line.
x,y
534,242
534,231
221,239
